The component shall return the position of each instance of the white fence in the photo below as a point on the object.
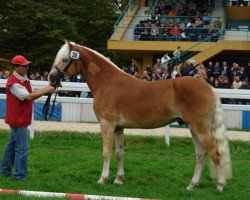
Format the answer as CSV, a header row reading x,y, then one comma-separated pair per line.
x,y
80,109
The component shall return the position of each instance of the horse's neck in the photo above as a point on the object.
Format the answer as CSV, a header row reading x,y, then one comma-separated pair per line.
x,y
98,71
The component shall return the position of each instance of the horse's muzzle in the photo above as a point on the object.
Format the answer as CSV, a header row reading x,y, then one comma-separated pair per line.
x,y
55,79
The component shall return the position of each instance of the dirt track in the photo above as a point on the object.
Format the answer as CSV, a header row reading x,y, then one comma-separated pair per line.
x,y
94,127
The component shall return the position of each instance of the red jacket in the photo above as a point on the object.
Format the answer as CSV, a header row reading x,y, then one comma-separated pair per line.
x,y
18,113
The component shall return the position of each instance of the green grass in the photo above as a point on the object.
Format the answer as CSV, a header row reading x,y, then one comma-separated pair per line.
x,y
71,162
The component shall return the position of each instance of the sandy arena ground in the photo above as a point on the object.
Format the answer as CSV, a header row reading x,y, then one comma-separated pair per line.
x,y
94,127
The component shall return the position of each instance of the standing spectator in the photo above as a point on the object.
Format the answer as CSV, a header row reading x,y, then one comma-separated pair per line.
x,y
164,60
18,116
210,69
226,69
132,68
157,66
216,70
177,55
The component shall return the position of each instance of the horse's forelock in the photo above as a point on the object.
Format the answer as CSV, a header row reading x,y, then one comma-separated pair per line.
x,y
62,53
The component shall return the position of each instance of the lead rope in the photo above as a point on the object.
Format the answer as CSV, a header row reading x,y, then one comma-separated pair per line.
x,y
46,106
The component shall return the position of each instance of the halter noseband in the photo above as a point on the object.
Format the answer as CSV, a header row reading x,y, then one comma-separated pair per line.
x,y
74,55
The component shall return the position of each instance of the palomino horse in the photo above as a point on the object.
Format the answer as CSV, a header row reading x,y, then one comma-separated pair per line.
x,y
123,101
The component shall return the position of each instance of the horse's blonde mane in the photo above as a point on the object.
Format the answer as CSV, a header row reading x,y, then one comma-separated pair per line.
x,y
102,56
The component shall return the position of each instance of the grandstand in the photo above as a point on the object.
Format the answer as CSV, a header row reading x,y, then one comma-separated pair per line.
x,y
142,32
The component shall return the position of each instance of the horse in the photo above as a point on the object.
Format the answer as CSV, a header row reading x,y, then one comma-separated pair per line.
x,y
123,101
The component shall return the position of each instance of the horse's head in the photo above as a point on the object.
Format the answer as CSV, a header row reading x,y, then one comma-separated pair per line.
x,y
65,64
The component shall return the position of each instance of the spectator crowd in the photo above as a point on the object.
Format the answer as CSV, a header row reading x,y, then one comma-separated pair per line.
x,y
218,75
184,20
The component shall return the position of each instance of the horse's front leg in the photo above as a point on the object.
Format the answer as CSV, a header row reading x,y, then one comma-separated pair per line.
x,y
119,152
107,130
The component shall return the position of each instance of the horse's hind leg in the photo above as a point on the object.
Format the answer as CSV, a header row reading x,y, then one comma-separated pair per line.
x,y
119,152
200,154
107,130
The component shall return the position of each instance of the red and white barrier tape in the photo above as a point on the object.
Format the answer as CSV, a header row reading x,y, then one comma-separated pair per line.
x,y
67,195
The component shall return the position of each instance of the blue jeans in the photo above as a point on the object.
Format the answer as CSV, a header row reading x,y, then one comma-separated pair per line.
x,y
16,154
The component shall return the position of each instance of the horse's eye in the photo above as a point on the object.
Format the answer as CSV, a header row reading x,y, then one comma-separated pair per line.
x,y
65,60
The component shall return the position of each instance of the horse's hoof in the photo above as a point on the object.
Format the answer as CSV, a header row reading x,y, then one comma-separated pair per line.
x,y
101,180
190,187
220,188
118,181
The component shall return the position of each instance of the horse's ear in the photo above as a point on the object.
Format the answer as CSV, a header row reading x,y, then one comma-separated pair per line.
x,y
70,45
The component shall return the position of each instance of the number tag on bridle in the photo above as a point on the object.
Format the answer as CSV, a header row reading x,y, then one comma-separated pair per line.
x,y
74,55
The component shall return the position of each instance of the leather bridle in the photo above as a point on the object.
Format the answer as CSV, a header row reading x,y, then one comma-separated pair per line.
x,y
73,56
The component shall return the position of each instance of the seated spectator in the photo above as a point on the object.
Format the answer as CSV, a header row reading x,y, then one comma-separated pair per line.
x,y
6,74
156,77
211,80
223,75
248,71
167,8
218,23
181,11
237,83
145,76
245,85
38,77
149,70
153,16
225,83
155,30
172,13
175,33
144,31
166,75
206,19
138,29
166,31
45,76
184,69
159,9
214,34
242,73
216,83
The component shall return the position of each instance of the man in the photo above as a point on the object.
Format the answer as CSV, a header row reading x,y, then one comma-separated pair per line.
x,y
18,116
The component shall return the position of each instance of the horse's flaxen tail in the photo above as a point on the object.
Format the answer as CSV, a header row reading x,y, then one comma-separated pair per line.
x,y
218,131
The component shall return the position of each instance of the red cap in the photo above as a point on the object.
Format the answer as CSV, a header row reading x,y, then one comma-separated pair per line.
x,y
20,60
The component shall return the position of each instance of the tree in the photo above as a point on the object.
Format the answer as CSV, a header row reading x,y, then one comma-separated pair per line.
x,y
37,28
